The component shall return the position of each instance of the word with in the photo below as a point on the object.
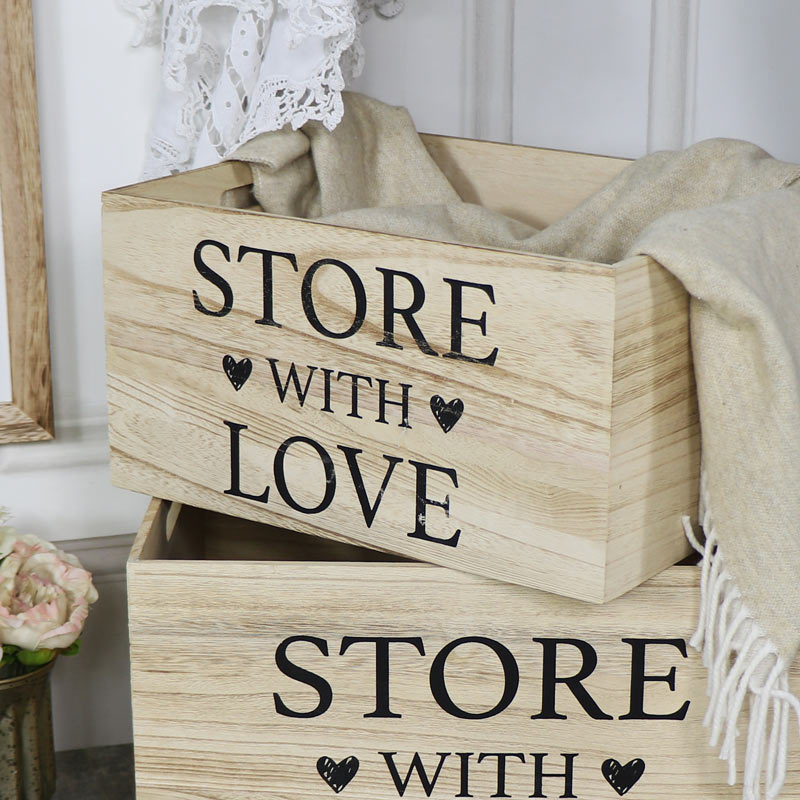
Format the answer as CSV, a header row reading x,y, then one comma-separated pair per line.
x,y
301,390
500,762
338,775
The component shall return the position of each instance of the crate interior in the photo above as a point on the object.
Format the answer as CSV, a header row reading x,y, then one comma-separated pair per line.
x,y
188,533
546,184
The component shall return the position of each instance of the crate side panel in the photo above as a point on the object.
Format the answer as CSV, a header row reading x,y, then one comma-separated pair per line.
x,y
512,453
655,433
150,539
207,684
547,183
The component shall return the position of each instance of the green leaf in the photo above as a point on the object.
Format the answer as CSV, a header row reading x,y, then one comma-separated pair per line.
x,y
36,658
73,649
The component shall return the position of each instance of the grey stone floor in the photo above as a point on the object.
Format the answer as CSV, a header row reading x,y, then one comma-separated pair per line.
x,y
100,773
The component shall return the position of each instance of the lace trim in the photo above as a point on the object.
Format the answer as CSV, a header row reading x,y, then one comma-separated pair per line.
x,y
148,18
278,62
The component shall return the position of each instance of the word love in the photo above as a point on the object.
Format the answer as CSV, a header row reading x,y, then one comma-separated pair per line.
x,y
508,676
307,448
392,284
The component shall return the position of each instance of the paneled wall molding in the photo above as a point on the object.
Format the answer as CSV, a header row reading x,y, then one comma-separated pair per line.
x,y
78,443
488,82
104,556
673,74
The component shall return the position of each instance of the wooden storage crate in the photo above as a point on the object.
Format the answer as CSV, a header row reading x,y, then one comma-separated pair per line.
x,y
266,664
534,419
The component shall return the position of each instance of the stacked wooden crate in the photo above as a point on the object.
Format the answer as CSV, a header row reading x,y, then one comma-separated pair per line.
x,y
488,448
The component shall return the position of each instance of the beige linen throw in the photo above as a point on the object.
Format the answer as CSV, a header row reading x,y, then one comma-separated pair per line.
x,y
722,216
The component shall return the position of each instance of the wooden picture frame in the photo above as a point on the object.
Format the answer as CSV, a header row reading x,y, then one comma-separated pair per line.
x,y
29,415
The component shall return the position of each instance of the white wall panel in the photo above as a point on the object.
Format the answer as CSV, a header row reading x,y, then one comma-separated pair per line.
x,y
69,497
581,72
91,691
95,104
748,73
673,74
416,60
487,82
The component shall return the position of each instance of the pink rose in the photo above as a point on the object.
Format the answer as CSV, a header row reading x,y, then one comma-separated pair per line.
x,y
44,593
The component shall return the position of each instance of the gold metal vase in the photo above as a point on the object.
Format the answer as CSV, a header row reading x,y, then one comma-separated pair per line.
x,y
27,759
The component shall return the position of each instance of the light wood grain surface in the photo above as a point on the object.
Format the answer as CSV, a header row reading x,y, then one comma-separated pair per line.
x,y
29,415
205,630
575,453
531,184
655,441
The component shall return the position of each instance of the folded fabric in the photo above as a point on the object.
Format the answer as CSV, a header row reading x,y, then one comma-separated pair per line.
x,y
724,218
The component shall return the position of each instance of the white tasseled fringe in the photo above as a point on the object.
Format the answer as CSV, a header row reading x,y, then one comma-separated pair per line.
x,y
741,661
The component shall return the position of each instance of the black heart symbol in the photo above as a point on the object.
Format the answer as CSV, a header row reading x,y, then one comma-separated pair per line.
x,y
237,371
447,414
622,779
337,776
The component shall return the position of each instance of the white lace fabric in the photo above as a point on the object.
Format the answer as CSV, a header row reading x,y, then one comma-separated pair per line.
x,y
232,69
